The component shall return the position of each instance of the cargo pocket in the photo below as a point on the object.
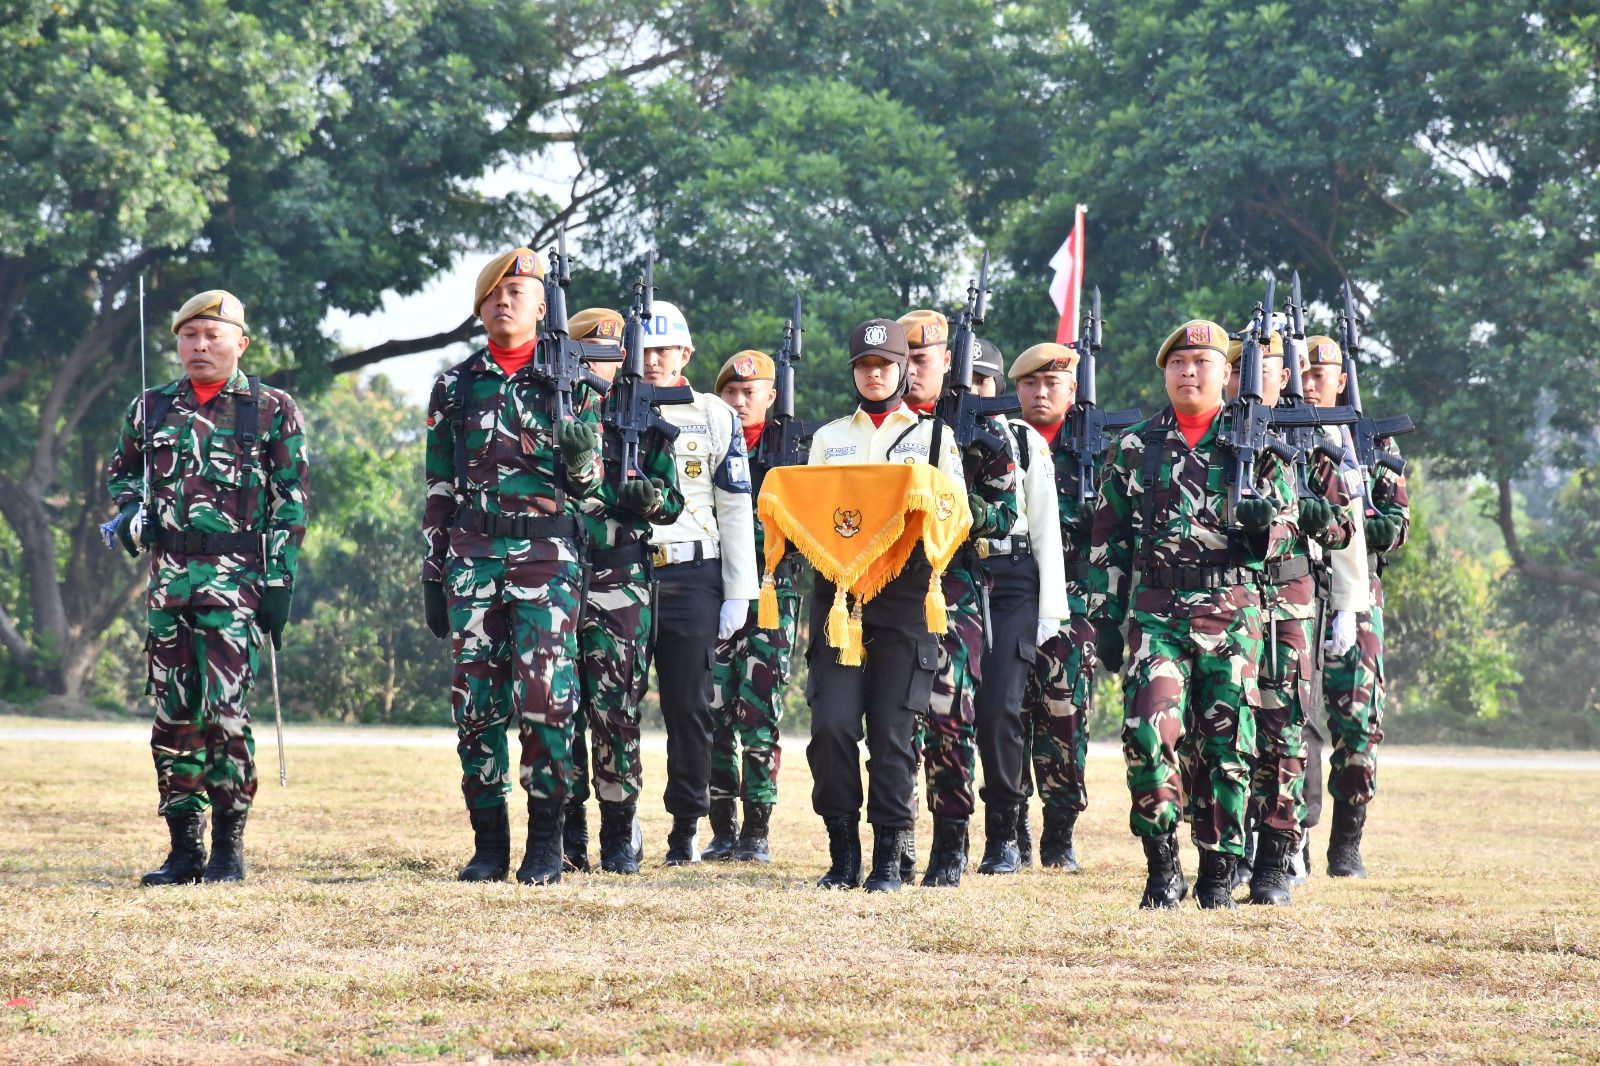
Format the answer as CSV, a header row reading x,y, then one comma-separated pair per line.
x,y
919,691
1027,650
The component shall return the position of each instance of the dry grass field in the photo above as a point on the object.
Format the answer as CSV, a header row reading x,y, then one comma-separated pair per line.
x,y
1477,940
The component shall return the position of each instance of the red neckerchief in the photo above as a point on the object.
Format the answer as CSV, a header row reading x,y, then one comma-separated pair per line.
x,y
1049,433
1193,427
203,394
511,360
752,433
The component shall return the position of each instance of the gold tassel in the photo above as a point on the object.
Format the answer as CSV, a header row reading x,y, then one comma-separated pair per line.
x,y
933,605
767,605
850,651
838,621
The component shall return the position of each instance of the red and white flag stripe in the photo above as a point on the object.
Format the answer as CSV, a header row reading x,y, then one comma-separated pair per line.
x,y
1067,284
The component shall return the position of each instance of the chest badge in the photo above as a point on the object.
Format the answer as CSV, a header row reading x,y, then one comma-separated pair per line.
x,y
693,446
693,468
846,523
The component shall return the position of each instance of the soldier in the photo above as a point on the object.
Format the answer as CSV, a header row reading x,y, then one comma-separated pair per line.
x,y
615,628
752,666
210,475
947,746
1287,668
1028,604
1163,510
1354,682
883,698
1056,700
706,565
503,569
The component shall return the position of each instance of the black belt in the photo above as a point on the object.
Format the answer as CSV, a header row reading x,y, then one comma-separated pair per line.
x,y
1283,571
520,526
1018,546
1195,578
630,554
185,542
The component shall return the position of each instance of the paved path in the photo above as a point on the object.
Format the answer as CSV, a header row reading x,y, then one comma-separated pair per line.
x,y
21,730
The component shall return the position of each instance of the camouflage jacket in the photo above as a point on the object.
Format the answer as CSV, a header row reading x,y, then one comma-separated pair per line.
x,y
1391,497
1296,600
198,485
1188,527
513,464
993,479
1074,529
605,524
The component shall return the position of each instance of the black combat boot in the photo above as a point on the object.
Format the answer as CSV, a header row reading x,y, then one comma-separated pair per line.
x,y
617,853
1214,888
948,858
1344,842
844,852
1000,840
542,858
908,859
753,836
227,845
680,841
575,837
1055,843
491,842
1165,886
1269,880
1243,868
724,832
888,846
1024,837
186,858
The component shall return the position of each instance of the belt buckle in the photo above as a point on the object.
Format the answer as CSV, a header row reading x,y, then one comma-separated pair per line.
x,y
983,547
658,555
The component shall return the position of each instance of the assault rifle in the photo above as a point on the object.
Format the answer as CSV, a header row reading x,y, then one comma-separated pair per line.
x,y
557,357
1087,424
1367,430
1293,406
630,408
781,439
959,407
1247,421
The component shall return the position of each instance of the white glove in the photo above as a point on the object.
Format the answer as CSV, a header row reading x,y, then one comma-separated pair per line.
x,y
1341,634
731,617
1048,627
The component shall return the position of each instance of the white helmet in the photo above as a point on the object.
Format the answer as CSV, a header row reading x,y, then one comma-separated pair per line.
x,y
666,327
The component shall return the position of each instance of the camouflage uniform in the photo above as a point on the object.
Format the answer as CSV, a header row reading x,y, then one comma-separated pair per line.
x,y
1353,684
513,599
203,636
1193,652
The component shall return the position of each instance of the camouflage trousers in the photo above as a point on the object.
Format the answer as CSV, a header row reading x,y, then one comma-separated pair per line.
x,y
202,662
947,738
1188,729
1353,687
1278,783
751,672
514,643
613,669
1055,711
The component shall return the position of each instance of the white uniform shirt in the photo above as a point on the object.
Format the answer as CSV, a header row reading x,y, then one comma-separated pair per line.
x,y
1039,518
714,477
904,437
1352,591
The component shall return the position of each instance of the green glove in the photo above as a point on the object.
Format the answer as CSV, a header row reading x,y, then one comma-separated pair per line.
x,y
125,528
435,611
578,442
640,496
1381,532
1255,514
1108,645
982,515
1315,514
273,614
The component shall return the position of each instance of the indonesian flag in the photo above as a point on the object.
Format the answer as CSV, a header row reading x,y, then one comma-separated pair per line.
x,y
1068,281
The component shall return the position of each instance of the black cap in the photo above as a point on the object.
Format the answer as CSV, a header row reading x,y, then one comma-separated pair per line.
x,y
986,361
882,337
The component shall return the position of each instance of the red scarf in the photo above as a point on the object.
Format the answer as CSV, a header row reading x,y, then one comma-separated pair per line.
x,y
203,394
1193,427
1050,433
752,433
511,360
923,408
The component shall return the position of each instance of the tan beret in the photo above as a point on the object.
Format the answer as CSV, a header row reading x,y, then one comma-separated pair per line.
x,y
748,365
1047,356
1274,348
517,263
1323,351
597,324
219,305
1195,333
924,328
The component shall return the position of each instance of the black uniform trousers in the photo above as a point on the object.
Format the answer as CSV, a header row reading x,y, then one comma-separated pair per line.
x,y
688,601
1007,662
881,700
